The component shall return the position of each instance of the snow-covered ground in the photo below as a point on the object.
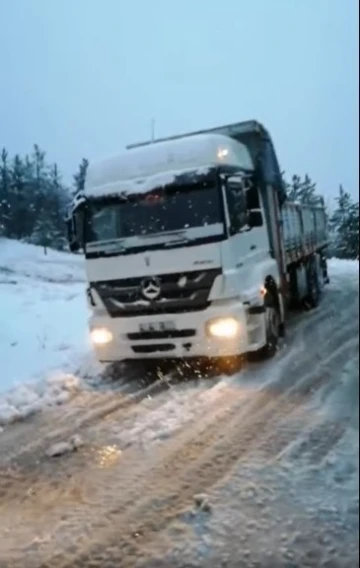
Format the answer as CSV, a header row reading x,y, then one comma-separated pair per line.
x,y
43,326
273,451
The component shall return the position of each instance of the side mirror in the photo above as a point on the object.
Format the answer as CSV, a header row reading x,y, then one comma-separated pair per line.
x,y
233,230
255,219
74,244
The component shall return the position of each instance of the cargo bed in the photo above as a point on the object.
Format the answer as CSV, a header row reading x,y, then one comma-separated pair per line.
x,y
304,230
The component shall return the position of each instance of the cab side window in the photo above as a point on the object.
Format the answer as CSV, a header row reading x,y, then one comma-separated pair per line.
x,y
237,207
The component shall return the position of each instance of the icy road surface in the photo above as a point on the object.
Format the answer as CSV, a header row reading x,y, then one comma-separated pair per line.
x,y
257,469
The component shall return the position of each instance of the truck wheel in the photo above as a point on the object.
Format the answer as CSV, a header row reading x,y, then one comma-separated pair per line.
x,y
272,323
313,286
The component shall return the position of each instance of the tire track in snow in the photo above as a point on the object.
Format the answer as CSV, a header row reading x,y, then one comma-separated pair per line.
x,y
340,413
235,447
197,466
68,422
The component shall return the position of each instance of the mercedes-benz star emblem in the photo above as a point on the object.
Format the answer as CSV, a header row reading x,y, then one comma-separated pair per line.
x,y
151,288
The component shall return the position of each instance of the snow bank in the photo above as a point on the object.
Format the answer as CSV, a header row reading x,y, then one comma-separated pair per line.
x,y
343,273
27,399
20,259
43,327
339,267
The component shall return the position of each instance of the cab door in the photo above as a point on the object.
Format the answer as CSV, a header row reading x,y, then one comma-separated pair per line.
x,y
247,243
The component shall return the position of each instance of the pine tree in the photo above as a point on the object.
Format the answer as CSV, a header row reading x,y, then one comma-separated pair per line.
x,y
295,187
4,193
29,190
303,191
80,176
39,165
18,209
39,181
59,198
33,199
352,232
287,186
43,234
308,191
344,225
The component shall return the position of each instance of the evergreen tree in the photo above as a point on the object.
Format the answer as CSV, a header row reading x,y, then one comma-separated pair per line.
x,y
303,191
43,234
352,231
18,210
33,199
287,185
80,176
294,192
58,202
4,193
308,190
344,225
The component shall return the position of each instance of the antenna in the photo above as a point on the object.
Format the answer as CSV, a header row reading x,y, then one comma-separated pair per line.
x,y
153,130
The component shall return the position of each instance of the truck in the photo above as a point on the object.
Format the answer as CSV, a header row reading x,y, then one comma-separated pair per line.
x,y
192,248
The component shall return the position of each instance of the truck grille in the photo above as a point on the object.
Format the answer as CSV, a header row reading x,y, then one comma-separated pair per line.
x,y
157,348
179,292
171,334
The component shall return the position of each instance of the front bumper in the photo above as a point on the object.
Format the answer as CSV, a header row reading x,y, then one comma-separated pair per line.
x,y
188,339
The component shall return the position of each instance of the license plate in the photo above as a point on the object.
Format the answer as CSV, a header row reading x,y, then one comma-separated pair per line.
x,y
157,326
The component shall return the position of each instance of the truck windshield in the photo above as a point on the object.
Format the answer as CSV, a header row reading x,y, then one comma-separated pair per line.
x,y
171,209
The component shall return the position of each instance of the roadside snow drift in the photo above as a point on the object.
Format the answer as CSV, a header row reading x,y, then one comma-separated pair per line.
x,y
43,326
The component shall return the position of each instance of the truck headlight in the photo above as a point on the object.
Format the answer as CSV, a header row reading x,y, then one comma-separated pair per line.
x,y
225,328
101,336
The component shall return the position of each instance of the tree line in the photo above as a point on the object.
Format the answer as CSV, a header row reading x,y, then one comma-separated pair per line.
x,y
34,201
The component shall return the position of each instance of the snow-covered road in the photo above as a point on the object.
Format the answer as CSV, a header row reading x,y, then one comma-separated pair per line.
x,y
257,469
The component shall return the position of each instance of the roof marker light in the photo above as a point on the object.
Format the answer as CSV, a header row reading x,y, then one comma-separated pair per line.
x,y
222,153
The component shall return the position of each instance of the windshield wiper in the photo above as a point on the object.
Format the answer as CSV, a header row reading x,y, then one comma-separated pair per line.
x,y
163,234
109,250
182,241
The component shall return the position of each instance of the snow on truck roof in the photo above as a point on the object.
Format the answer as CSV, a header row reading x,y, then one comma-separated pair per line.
x,y
144,168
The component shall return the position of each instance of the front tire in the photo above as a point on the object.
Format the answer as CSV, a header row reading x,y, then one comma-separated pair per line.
x,y
272,327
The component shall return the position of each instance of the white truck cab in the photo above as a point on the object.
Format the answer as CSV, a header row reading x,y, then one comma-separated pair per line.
x,y
186,248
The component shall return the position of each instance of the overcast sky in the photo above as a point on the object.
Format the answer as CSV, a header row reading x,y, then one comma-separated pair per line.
x,y
85,77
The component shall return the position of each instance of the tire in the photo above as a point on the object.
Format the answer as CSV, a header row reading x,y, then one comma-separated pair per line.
x,y
324,267
273,327
313,286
